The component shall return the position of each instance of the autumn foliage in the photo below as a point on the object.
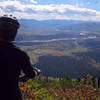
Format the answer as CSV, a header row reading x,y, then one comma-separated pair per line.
x,y
58,89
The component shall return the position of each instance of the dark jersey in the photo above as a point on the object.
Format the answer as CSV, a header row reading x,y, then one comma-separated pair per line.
x,y
12,61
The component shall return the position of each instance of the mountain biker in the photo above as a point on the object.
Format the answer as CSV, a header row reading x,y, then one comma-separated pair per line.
x,y
12,60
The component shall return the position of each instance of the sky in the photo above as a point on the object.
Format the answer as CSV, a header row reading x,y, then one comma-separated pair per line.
x,y
52,9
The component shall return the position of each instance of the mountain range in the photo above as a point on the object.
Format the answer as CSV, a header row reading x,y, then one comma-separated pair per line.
x,y
51,27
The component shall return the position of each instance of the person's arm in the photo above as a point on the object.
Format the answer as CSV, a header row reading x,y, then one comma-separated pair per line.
x,y
27,68
25,77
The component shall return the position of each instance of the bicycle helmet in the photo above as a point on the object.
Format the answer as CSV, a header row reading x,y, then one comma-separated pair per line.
x,y
8,27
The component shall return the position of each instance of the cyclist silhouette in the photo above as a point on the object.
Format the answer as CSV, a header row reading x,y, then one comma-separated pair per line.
x,y
12,60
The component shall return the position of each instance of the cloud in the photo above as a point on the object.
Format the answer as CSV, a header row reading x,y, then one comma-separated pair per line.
x,y
32,1
51,11
15,4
